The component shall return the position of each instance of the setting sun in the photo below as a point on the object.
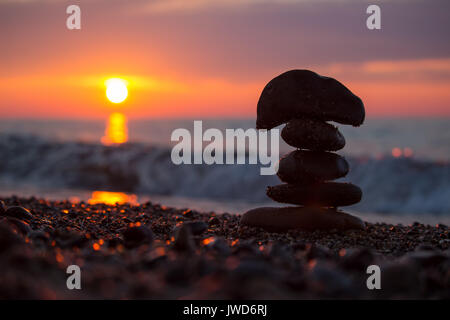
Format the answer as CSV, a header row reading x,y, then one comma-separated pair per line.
x,y
116,90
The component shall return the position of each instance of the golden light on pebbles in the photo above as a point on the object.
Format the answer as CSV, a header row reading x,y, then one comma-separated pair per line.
x,y
208,240
59,257
312,263
112,198
132,224
160,251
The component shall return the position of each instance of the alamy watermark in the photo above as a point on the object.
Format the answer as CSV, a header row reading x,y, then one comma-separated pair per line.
x,y
74,280
73,21
239,146
374,280
373,21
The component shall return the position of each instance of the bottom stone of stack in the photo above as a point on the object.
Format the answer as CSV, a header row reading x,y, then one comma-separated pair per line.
x,y
300,218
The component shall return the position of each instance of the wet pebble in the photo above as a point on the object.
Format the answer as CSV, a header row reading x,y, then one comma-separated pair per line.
x,y
279,250
184,240
19,213
197,227
179,273
38,235
428,258
253,268
21,226
188,213
246,248
326,279
213,221
114,242
154,262
136,236
8,236
220,246
401,280
357,259
75,240
315,251
2,208
281,253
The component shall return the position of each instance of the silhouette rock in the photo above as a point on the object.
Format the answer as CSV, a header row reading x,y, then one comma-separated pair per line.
x,y
303,166
304,218
325,194
313,135
303,93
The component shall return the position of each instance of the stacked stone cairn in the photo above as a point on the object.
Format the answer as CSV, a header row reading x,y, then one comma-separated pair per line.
x,y
306,101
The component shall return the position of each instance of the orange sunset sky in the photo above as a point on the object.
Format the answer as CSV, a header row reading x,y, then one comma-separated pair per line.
x,y
202,58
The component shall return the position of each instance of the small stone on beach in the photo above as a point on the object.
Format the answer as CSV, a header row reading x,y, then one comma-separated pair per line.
x,y
20,213
183,239
22,226
3,208
136,236
197,227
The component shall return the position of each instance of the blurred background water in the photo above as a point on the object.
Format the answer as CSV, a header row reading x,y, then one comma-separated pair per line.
x,y
401,164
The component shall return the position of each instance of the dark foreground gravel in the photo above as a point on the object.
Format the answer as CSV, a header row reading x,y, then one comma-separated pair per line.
x,y
150,251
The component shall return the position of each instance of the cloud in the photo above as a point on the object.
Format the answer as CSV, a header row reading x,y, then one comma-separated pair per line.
x,y
175,5
165,6
424,65
404,70
29,1
190,5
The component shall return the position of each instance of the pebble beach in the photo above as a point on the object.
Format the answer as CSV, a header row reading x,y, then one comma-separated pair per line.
x,y
150,251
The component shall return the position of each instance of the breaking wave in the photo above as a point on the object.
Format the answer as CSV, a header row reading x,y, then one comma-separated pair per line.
x,y
390,185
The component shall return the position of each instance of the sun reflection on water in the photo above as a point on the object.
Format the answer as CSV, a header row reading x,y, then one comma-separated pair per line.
x,y
116,129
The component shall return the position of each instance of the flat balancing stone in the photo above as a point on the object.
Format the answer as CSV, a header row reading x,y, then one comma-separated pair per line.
x,y
323,194
300,218
313,135
302,165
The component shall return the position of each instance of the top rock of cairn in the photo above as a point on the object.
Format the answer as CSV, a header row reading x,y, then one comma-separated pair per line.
x,y
303,93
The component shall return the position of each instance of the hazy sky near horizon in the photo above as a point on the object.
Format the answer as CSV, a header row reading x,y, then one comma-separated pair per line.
x,y
204,58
